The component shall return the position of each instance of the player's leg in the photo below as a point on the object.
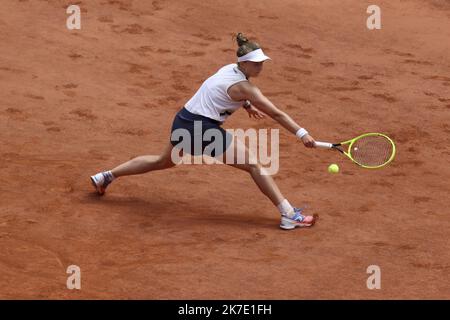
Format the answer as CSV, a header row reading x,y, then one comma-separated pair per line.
x,y
291,217
265,183
138,165
143,164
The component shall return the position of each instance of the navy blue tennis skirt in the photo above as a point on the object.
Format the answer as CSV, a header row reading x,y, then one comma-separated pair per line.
x,y
196,125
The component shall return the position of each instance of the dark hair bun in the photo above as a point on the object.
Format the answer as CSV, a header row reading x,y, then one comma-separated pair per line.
x,y
241,39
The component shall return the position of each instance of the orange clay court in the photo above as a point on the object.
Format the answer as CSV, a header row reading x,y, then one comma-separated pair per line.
x,y
74,102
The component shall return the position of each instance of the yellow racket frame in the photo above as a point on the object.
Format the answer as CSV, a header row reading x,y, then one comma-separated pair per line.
x,y
352,141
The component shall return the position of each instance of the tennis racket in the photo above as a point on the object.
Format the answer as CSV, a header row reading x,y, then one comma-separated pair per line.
x,y
369,150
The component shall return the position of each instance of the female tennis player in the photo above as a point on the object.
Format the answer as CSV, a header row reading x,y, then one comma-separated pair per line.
x,y
218,97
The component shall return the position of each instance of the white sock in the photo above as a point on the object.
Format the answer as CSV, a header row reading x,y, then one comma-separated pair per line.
x,y
285,208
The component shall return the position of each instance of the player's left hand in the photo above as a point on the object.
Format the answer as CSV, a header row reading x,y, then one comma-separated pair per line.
x,y
255,113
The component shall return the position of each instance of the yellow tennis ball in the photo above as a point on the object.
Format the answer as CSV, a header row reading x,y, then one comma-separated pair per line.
x,y
333,168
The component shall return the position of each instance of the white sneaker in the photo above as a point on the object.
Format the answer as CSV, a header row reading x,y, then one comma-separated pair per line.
x,y
298,220
100,181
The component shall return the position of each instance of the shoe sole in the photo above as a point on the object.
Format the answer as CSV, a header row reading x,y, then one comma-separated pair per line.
x,y
100,190
293,226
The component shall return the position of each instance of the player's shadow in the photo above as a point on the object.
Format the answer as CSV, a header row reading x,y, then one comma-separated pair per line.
x,y
130,203
244,221
183,212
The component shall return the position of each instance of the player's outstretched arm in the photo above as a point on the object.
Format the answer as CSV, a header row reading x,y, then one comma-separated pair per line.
x,y
247,91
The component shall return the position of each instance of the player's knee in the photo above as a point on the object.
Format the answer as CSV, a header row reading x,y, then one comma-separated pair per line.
x,y
254,167
165,162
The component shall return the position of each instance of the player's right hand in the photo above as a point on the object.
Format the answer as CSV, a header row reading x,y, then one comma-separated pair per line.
x,y
308,141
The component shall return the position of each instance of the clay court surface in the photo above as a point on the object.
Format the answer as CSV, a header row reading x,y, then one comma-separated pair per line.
x,y
73,103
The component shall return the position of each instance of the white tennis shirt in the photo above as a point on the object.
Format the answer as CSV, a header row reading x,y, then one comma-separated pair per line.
x,y
212,99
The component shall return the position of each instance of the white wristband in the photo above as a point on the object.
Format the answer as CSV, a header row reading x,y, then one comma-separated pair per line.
x,y
301,133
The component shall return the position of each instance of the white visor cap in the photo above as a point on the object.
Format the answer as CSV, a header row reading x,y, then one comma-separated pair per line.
x,y
254,56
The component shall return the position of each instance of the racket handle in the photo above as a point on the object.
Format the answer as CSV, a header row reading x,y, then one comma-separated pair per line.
x,y
324,145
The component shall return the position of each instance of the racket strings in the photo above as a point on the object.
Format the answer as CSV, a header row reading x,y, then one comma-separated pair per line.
x,y
372,151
